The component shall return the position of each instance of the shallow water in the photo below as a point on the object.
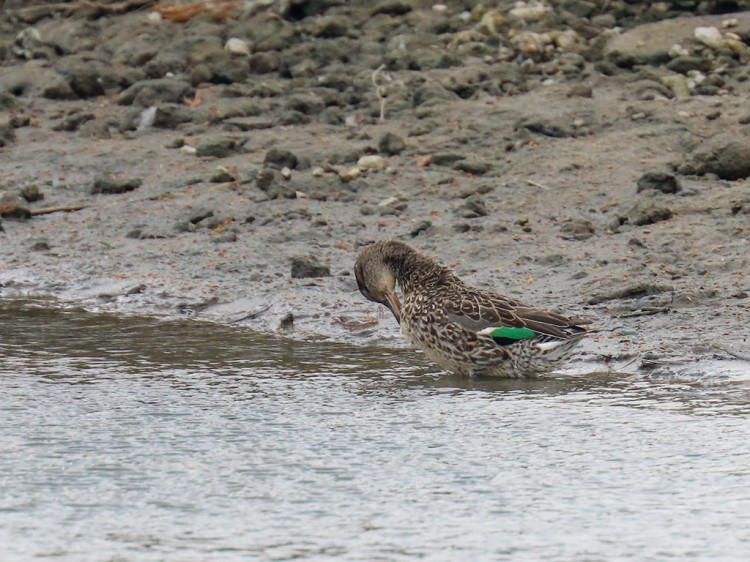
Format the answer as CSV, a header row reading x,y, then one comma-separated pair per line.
x,y
131,439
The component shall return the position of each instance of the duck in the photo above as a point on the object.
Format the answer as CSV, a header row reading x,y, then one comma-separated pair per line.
x,y
463,329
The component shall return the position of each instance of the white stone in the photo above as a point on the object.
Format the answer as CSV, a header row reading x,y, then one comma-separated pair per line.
x,y
371,162
709,36
237,46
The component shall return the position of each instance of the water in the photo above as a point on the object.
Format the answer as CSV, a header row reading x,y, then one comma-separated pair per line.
x,y
136,440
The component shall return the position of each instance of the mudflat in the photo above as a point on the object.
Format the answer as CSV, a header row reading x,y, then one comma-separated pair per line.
x,y
226,161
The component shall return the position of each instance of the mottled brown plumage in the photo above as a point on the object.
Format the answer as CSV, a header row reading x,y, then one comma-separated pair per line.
x,y
463,329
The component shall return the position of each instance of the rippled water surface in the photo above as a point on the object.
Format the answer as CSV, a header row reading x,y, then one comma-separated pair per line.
x,y
136,440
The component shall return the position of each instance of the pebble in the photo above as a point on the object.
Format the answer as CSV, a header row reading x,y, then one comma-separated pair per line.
x,y
371,162
659,181
285,173
237,46
278,158
391,144
350,174
221,175
108,184
308,266
709,36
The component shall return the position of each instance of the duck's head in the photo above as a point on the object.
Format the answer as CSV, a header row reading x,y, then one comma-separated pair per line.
x,y
376,278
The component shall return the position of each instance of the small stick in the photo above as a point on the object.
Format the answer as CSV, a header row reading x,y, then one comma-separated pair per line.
x,y
50,210
536,184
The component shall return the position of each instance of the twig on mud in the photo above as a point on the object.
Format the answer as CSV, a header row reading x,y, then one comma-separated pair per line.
x,y
381,79
731,351
537,184
50,210
253,314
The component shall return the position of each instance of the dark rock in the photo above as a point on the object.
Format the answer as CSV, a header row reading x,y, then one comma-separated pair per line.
x,y
645,213
58,90
294,118
287,322
221,175
580,8
170,115
727,158
84,80
309,104
41,245
74,121
420,227
32,192
445,158
278,158
247,124
149,92
391,144
685,64
13,206
309,266
393,207
475,167
577,229
558,128
191,219
392,7
110,185
220,148
328,27
473,207
659,181
265,178
269,181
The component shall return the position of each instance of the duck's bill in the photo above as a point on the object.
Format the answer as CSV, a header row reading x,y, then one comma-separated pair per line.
x,y
394,305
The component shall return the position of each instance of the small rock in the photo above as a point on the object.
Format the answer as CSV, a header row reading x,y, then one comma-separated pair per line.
x,y
41,245
146,93
392,206
643,214
445,158
350,174
237,46
371,162
108,184
685,64
709,36
472,208
221,175
189,222
13,206
265,178
286,173
309,266
420,227
577,229
32,192
277,158
678,84
474,167
220,148
659,181
287,322
727,158
391,144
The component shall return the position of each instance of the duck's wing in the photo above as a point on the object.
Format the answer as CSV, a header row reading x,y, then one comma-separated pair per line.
x,y
507,320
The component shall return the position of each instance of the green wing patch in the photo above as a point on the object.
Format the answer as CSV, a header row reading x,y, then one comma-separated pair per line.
x,y
507,333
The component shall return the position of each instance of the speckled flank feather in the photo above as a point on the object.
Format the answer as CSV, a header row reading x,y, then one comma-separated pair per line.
x,y
454,323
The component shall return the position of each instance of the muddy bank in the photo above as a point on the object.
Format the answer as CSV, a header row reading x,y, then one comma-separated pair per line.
x,y
230,166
